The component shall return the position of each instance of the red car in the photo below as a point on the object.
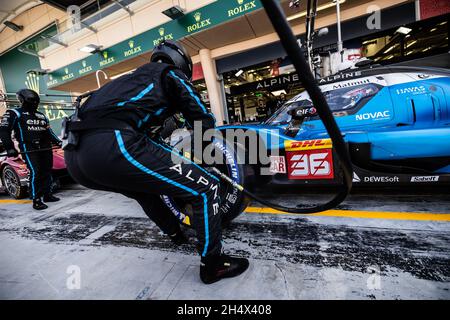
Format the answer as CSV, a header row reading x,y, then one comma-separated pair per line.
x,y
14,174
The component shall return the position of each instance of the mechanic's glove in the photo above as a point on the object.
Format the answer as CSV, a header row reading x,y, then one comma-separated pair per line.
x,y
12,153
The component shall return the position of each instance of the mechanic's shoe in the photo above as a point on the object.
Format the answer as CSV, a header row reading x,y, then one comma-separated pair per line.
x,y
215,268
39,205
179,238
51,198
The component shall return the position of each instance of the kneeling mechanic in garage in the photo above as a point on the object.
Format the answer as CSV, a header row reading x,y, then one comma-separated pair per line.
x,y
121,154
32,131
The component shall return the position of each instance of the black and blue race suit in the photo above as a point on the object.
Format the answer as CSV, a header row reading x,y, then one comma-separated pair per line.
x,y
130,162
35,137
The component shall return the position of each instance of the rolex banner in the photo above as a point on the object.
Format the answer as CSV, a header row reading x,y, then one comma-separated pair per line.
x,y
193,22
15,67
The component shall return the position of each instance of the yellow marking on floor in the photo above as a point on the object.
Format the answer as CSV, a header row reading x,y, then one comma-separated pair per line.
x,y
363,214
9,201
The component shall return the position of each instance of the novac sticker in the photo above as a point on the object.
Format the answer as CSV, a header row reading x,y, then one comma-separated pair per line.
x,y
310,164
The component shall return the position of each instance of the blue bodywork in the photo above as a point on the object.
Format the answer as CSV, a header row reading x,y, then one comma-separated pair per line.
x,y
406,123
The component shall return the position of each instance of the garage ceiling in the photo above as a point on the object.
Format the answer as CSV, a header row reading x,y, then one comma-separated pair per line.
x,y
247,27
8,7
250,26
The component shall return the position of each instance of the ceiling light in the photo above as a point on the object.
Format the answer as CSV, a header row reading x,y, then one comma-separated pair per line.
x,y
390,49
279,92
411,43
122,74
39,71
319,8
13,26
30,52
174,12
403,30
239,73
91,48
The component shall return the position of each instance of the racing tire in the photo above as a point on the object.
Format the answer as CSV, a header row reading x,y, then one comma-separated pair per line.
x,y
233,201
11,182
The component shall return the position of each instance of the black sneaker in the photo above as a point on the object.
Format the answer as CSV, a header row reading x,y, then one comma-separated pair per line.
x,y
213,269
51,198
179,238
39,205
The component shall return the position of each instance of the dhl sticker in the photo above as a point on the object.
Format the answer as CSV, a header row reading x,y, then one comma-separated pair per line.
x,y
308,145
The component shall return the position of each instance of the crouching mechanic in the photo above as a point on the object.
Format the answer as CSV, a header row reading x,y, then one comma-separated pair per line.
x,y
117,151
35,137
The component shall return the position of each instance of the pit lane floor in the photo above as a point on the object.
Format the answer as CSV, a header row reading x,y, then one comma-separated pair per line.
x,y
97,245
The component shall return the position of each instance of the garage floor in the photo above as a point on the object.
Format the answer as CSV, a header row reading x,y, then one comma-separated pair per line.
x,y
96,245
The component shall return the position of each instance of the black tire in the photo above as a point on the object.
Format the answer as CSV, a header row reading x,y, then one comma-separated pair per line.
x,y
11,182
233,203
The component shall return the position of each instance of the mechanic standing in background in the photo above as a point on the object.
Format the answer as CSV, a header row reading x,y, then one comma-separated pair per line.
x,y
120,150
33,133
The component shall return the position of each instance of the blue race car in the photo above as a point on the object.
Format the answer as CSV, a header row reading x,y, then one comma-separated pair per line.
x,y
395,120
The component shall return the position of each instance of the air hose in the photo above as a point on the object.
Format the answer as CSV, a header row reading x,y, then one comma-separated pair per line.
x,y
295,53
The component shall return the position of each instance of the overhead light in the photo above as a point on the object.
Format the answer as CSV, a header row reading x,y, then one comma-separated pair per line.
x,y
403,30
91,48
29,52
319,8
13,26
239,73
278,92
39,71
411,43
122,74
390,48
174,12
53,40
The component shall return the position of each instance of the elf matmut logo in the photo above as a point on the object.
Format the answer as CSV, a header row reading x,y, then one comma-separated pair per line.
x,y
308,145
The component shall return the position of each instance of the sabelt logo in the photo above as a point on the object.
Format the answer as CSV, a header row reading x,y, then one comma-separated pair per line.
x,y
308,145
425,179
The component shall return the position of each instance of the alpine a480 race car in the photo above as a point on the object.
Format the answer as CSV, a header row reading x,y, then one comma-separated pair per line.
x,y
395,120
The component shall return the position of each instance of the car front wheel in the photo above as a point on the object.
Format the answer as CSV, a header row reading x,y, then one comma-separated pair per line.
x,y
11,182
